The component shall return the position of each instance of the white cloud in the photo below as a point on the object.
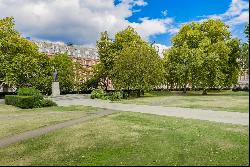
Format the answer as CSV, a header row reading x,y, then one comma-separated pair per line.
x,y
237,13
164,13
236,8
78,21
241,19
161,48
149,27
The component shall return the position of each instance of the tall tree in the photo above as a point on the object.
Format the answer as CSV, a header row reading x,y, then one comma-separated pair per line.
x,y
105,49
30,71
12,45
137,65
211,54
244,57
79,75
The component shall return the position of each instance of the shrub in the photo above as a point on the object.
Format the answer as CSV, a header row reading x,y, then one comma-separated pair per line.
x,y
124,95
116,96
236,88
47,103
20,101
30,92
28,98
97,93
106,97
245,88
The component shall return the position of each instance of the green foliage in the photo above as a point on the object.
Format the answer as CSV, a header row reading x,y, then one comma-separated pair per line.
x,y
20,101
65,68
246,31
30,92
47,103
116,96
28,98
136,63
91,83
203,55
244,56
105,49
79,72
12,46
97,94
21,64
101,94
245,88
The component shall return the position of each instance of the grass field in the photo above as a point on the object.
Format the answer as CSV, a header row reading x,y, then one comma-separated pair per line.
x,y
14,120
215,100
135,139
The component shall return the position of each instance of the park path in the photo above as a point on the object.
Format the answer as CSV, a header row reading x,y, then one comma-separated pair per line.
x,y
6,141
209,115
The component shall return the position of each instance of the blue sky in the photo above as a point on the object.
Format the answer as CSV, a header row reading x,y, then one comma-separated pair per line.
x,y
81,21
183,11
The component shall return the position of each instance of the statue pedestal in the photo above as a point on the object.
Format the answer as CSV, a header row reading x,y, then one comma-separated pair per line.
x,y
55,89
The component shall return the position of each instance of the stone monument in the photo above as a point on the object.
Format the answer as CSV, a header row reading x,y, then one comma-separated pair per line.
x,y
55,84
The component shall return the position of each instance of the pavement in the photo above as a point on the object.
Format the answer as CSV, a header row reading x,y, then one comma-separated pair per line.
x,y
112,107
200,114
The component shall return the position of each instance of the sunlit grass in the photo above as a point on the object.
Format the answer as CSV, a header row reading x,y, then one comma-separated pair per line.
x,y
135,139
215,100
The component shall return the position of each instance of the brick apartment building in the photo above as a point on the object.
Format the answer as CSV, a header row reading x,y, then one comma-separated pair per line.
x,y
85,56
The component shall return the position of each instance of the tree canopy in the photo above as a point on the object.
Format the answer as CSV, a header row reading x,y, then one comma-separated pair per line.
x,y
203,55
129,61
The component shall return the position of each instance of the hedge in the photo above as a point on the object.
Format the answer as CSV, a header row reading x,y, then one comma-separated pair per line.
x,y
30,91
20,101
26,102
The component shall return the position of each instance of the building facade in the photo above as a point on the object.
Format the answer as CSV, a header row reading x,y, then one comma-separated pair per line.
x,y
85,56
243,77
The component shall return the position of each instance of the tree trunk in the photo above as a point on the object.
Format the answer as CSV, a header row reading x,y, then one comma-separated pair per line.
x,y
138,93
185,88
142,92
128,92
171,87
204,92
5,88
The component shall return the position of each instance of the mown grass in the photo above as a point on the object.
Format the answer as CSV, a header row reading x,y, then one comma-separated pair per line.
x,y
14,120
135,139
215,100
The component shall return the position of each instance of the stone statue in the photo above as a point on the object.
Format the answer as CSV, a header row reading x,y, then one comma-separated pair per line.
x,y
55,76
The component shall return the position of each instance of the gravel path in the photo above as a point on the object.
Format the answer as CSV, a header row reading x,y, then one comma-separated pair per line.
x,y
209,115
6,141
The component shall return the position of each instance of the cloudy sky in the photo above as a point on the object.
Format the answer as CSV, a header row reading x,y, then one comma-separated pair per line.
x,y
81,21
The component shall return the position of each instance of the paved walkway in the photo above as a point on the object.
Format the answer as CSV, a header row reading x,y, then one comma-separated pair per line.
x,y
6,141
209,115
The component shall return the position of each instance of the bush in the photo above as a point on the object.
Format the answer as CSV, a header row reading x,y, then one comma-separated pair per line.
x,y
245,88
30,92
28,98
116,96
236,88
124,94
20,101
28,101
97,93
47,103
106,97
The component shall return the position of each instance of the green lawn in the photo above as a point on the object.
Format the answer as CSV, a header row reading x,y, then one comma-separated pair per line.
x,y
135,139
14,120
215,100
